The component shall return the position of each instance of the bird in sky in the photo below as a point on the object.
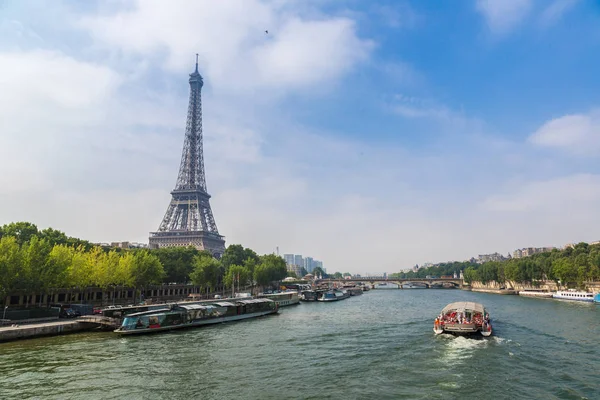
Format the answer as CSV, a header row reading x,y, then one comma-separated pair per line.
x,y
267,32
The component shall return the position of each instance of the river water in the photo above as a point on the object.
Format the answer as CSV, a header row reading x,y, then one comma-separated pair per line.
x,y
379,345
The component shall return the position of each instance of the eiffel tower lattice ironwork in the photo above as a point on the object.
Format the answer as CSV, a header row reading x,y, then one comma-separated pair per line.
x,y
189,219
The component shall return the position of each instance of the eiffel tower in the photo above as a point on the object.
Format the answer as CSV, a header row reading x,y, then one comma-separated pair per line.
x,y
189,220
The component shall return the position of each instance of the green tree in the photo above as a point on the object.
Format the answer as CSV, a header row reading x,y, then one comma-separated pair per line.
x,y
236,254
271,268
36,273
318,271
262,275
22,231
471,275
10,265
337,275
178,262
564,269
237,274
60,260
233,255
206,272
291,274
145,269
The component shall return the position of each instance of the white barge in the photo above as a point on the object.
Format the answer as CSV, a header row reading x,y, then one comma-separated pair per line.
x,y
536,293
287,298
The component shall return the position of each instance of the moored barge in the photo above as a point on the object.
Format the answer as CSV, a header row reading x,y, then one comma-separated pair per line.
x,y
177,316
287,298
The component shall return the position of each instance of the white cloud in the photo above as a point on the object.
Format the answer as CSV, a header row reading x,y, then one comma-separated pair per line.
x,y
577,133
567,194
502,16
47,99
235,52
91,138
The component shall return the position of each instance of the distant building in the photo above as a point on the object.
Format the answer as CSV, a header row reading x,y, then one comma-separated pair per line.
x,y
528,251
309,264
319,264
289,259
489,257
298,260
295,269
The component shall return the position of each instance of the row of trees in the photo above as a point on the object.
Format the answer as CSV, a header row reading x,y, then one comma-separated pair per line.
x,y
571,266
38,266
37,261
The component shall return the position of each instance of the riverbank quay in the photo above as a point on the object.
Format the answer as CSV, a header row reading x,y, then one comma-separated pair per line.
x,y
54,328
495,291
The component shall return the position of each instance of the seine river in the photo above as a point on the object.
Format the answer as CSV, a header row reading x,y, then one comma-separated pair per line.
x,y
379,345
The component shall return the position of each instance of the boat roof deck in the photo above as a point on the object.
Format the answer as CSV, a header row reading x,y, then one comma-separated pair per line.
x,y
462,306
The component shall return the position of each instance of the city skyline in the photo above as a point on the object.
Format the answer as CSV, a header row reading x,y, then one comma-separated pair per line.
x,y
374,135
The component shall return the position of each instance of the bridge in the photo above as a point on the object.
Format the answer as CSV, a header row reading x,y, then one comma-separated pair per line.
x,y
428,282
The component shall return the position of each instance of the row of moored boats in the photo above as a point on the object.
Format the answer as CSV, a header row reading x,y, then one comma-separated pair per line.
x,y
187,314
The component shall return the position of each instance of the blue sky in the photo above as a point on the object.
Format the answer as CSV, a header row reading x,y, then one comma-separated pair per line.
x,y
370,135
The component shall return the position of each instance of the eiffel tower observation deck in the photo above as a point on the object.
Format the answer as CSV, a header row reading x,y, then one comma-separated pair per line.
x,y
189,219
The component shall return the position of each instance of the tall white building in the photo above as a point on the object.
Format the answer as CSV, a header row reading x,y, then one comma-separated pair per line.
x,y
298,260
309,264
289,259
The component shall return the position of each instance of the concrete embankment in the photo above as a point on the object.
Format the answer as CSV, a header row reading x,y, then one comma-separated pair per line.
x,y
29,331
495,291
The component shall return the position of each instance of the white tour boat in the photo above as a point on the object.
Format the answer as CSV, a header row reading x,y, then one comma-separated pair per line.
x,y
574,295
463,318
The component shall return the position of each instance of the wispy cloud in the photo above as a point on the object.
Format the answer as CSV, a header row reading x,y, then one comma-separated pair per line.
x,y
235,51
576,133
556,10
502,16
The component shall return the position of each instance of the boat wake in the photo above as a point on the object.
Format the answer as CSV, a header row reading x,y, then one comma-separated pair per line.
x,y
459,348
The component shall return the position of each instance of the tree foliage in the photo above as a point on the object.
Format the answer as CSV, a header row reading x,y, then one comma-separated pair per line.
x,y
271,268
571,266
206,272
39,261
237,275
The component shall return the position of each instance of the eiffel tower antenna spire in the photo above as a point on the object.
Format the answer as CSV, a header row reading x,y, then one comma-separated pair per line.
x,y
189,219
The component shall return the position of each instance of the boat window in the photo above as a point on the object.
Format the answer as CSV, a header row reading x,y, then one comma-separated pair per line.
x,y
129,323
